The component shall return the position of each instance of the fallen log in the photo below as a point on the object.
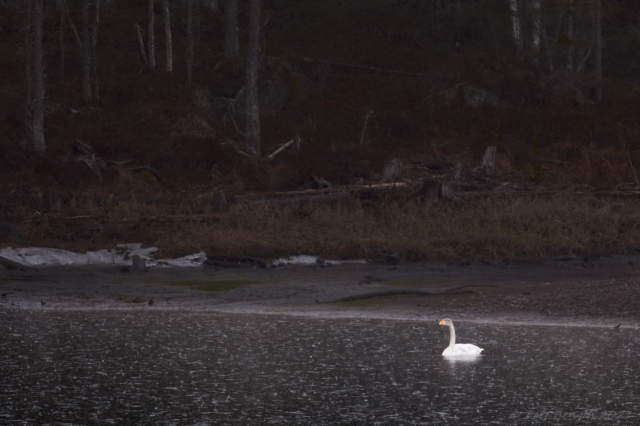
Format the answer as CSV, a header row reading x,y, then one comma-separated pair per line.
x,y
322,198
173,218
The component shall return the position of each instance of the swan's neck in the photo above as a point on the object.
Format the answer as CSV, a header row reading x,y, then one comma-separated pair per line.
x,y
452,341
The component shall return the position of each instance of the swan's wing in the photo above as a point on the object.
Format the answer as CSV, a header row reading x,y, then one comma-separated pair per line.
x,y
462,349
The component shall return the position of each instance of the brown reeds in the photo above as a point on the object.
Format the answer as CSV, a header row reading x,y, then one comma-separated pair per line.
x,y
492,228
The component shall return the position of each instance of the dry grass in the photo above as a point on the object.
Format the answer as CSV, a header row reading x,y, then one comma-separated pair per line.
x,y
492,228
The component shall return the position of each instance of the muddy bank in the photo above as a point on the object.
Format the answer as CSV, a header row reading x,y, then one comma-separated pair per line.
x,y
568,290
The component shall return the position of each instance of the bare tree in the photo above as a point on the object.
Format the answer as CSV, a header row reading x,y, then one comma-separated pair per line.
x,y
537,28
515,25
72,25
28,86
251,80
38,143
189,40
61,9
86,58
151,38
571,37
598,47
167,35
94,58
231,32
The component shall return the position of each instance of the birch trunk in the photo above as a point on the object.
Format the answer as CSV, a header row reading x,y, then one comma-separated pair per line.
x,y
86,58
94,59
231,33
189,40
73,27
151,38
598,48
571,40
167,35
38,62
537,29
515,25
251,82
28,83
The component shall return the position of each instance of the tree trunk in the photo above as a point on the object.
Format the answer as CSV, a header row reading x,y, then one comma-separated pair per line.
x,y
537,29
86,58
488,161
94,59
571,40
151,38
598,48
61,9
72,25
167,35
231,31
251,82
198,19
189,40
28,83
141,49
38,101
515,25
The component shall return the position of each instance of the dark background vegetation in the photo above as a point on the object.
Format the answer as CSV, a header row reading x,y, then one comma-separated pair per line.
x,y
547,125
156,119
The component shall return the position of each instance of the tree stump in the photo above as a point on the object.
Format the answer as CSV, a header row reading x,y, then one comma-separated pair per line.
x,y
219,202
430,190
457,173
488,161
392,171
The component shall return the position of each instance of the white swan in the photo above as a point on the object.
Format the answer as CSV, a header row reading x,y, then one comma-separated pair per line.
x,y
461,349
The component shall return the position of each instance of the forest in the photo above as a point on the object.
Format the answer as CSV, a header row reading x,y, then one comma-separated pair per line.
x,y
341,128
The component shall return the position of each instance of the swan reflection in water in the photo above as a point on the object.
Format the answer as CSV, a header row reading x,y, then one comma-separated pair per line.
x,y
460,349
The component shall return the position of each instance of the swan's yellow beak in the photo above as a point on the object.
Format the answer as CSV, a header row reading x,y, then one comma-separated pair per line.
x,y
441,322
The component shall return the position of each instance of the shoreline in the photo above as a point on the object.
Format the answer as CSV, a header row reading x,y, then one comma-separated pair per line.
x,y
603,293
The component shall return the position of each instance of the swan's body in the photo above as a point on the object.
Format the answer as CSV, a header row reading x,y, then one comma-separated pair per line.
x,y
461,349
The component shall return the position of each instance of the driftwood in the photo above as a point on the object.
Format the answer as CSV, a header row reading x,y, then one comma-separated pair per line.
x,y
229,261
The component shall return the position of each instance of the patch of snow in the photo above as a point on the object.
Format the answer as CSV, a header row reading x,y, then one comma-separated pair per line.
x,y
121,255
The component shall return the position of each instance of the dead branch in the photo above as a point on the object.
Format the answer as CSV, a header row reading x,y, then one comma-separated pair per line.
x,y
280,149
173,218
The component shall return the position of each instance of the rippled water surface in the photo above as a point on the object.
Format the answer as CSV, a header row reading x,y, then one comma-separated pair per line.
x,y
159,367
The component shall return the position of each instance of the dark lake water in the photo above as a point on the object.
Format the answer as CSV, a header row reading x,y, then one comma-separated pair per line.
x,y
185,368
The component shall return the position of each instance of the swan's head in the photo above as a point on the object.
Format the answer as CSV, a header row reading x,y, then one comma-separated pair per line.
x,y
446,321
